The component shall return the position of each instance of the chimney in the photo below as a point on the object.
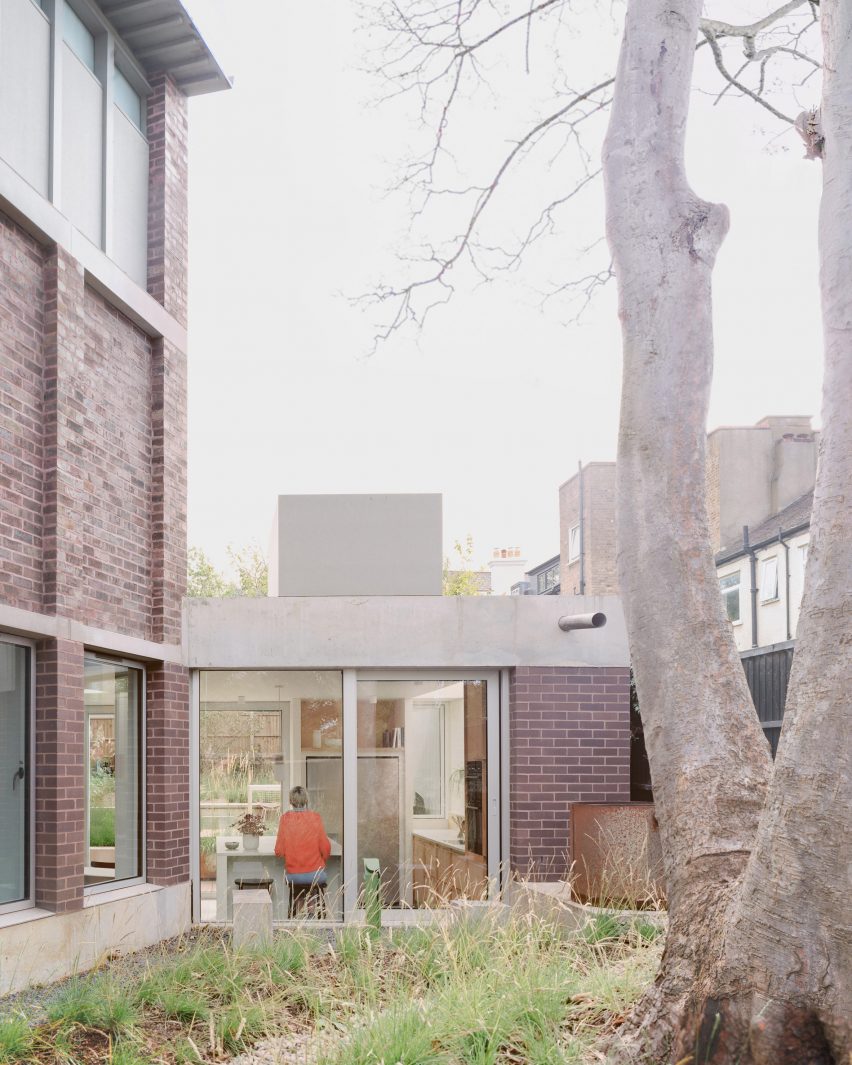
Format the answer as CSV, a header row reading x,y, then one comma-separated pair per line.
x,y
507,568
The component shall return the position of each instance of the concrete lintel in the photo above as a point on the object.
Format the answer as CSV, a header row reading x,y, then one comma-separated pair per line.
x,y
378,632
31,624
35,214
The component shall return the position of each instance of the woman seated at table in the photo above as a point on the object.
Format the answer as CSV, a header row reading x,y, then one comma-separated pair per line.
x,y
303,845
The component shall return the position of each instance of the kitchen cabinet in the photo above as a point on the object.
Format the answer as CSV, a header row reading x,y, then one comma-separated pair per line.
x,y
443,872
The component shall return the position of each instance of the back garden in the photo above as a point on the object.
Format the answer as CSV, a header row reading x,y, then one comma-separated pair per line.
x,y
481,991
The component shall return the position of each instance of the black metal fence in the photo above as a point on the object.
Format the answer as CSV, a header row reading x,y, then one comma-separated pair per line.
x,y
768,673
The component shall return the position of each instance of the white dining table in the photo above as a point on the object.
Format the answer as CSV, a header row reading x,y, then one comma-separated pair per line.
x,y
261,864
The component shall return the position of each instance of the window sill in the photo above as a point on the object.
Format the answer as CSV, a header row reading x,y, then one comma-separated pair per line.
x,y
766,602
734,623
31,913
98,898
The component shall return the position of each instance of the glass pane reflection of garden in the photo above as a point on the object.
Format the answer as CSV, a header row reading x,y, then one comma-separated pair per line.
x,y
262,733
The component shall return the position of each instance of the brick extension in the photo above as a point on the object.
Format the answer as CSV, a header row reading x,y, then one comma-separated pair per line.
x,y
569,742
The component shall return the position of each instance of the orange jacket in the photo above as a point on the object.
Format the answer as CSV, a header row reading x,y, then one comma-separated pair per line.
x,y
302,842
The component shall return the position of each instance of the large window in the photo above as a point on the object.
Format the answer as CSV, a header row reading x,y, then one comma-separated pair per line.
x,y
263,732
114,715
729,586
15,790
63,152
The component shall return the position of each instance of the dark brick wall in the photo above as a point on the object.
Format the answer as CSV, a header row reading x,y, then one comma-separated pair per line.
x,y
570,742
59,775
169,487
98,433
168,775
21,368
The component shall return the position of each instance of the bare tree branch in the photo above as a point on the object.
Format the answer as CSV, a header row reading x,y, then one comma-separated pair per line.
x,y
443,49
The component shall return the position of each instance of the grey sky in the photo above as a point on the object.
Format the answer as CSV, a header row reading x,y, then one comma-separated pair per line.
x,y
496,401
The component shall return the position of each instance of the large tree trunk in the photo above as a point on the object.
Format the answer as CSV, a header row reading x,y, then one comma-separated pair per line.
x,y
757,962
709,760
785,993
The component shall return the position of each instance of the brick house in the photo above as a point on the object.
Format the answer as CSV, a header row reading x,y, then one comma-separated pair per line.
x,y
760,481
447,736
93,289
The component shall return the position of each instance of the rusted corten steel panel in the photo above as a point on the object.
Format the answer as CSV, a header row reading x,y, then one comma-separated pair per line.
x,y
617,858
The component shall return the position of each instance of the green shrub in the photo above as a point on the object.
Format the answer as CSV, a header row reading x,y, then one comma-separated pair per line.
x,y
16,1040
183,1004
128,1053
239,1024
397,1035
604,927
96,1002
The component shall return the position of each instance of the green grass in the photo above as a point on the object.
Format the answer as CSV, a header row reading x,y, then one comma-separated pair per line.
x,y
96,1003
463,993
16,1040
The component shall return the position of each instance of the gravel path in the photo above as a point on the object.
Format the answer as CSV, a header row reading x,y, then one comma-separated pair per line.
x,y
296,1049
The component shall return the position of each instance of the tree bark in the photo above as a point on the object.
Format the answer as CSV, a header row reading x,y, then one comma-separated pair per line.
x,y
758,961
709,760
785,993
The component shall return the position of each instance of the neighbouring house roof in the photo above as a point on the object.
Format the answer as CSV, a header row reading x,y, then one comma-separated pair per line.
x,y
795,516
163,37
542,566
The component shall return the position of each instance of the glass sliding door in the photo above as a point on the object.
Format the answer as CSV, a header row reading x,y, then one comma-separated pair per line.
x,y
14,776
113,700
261,734
422,788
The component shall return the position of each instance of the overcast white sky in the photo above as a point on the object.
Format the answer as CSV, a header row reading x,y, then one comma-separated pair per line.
x,y
497,400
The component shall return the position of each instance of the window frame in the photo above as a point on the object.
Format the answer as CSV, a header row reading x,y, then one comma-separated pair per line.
x,y
141,878
28,902
764,565
726,592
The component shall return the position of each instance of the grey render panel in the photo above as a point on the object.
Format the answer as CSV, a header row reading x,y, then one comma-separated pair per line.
x,y
25,90
358,545
406,632
82,147
130,199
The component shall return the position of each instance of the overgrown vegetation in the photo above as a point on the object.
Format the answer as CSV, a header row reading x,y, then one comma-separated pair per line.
x,y
477,992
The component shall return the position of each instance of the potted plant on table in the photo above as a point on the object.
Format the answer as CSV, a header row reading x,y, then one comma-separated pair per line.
x,y
252,825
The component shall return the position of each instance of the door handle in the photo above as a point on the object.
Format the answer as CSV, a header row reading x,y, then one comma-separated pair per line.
x,y
17,775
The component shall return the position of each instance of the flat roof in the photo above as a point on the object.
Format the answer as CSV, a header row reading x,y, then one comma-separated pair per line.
x,y
163,38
